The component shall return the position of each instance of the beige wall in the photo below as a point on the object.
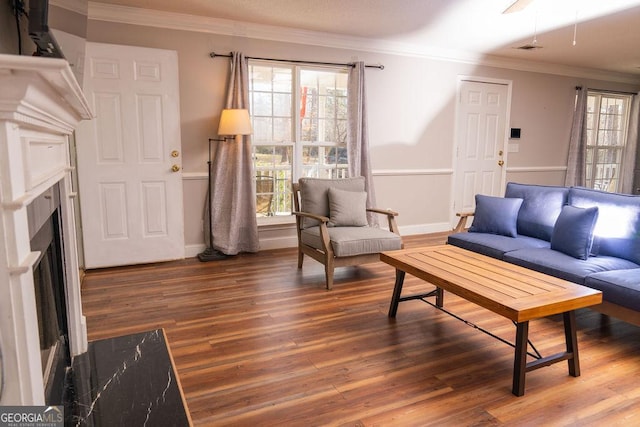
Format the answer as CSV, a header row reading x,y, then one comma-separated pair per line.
x,y
411,120
68,21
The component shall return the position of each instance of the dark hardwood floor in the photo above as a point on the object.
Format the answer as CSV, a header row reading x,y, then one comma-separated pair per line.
x,y
258,342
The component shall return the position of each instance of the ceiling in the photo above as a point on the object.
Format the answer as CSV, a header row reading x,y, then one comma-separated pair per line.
x,y
606,32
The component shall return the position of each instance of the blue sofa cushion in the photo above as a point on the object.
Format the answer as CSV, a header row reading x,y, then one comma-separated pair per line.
x,y
617,231
494,245
573,232
620,287
540,209
564,266
495,215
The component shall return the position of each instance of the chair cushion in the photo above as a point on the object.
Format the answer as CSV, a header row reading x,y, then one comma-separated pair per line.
x,y
347,208
314,195
573,232
348,241
496,215
540,209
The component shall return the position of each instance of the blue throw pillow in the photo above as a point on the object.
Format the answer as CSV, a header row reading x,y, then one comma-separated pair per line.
x,y
573,232
496,215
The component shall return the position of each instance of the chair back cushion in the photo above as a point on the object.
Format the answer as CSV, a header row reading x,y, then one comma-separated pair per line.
x,y
314,195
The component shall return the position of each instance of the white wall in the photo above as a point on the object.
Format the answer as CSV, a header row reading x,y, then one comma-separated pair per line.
x,y
411,120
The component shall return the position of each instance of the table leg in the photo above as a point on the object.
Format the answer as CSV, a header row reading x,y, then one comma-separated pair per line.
x,y
520,361
572,342
439,297
397,290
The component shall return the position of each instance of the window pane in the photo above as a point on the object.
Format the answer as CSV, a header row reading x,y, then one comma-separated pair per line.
x,y
260,78
282,80
282,104
282,129
262,129
273,179
262,103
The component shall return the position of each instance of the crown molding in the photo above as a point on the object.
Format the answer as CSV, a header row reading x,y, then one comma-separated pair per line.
x,y
184,22
77,6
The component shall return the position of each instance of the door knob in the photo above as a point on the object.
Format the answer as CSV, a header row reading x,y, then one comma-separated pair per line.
x,y
500,162
175,153
175,168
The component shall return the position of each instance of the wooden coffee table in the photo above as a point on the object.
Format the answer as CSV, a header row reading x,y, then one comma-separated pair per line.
x,y
514,292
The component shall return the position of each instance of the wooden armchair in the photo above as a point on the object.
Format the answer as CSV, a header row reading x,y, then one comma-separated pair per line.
x,y
332,226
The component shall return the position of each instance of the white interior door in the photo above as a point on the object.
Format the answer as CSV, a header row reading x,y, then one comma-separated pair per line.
x,y
130,198
480,147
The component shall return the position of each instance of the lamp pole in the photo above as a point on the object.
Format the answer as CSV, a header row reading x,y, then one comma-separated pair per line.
x,y
210,254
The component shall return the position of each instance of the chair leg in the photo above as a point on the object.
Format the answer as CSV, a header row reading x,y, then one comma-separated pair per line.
x,y
328,269
300,258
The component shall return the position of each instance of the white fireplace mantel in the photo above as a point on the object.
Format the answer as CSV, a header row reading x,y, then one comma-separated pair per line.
x,y
41,104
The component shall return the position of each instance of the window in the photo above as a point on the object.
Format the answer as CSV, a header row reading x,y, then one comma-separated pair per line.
x,y
607,122
299,117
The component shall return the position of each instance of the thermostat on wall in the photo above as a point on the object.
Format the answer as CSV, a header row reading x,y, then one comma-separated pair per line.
x,y
515,133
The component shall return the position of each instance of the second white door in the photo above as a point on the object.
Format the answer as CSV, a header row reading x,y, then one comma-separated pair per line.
x,y
480,146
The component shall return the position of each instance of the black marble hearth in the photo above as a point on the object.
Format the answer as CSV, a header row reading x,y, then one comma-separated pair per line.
x,y
127,381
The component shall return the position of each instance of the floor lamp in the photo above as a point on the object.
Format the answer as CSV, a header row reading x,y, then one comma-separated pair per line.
x,y
233,123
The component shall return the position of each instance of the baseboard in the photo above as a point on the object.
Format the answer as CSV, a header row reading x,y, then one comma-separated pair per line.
x,y
191,251
438,227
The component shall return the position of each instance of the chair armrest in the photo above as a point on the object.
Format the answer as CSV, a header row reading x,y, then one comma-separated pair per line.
x,y
460,227
319,218
383,211
393,227
324,233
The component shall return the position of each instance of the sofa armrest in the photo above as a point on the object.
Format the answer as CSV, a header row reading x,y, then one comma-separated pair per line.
x,y
462,222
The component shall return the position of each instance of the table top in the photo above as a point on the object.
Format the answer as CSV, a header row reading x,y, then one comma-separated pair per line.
x,y
515,292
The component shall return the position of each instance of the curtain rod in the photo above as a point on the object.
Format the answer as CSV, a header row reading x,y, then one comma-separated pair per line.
x,y
616,92
215,55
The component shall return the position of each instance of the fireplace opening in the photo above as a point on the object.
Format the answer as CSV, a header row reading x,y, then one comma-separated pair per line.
x,y
49,284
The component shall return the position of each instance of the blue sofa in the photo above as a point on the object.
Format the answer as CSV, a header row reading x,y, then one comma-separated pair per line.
x,y
581,235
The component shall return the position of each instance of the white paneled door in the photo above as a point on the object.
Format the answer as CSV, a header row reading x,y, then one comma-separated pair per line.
x,y
129,157
480,147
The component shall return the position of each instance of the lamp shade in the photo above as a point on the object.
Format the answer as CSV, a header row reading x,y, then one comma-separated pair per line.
x,y
235,121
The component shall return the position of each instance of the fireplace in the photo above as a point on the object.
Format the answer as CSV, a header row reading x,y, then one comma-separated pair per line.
x,y
49,283
40,105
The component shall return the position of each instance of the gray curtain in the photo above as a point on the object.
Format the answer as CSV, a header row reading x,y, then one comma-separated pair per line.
x,y
358,135
631,147
233,207
578,143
